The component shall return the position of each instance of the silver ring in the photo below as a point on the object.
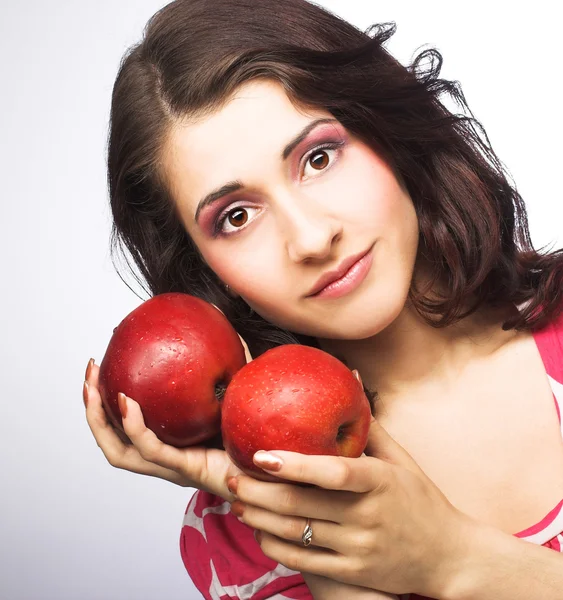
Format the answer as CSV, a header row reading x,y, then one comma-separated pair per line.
x,y
307,534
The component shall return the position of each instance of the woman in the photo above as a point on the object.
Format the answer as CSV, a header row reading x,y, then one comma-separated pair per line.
x,y
277,162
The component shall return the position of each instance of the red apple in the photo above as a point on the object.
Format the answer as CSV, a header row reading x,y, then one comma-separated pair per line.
x,y
296,398
175,355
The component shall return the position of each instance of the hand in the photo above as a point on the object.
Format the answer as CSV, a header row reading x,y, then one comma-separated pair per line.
x,y
140,451
323,588
378,521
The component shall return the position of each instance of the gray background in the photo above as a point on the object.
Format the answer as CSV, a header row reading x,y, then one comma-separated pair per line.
x,y
72,527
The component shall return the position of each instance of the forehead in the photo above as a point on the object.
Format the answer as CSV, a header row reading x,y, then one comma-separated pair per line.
x,y
253,125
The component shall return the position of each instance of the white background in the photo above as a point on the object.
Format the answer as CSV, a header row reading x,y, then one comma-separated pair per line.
x,y
71,526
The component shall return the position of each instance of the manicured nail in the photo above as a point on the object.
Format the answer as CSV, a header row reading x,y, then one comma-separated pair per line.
x,y
89,369
357,375
237,508
85,393
267,461
122,403
258,536
232,484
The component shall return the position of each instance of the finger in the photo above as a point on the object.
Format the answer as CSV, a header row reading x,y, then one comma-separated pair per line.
x,y
360,474
119,454
150,447
292,500
111,440
381,445
246,350
204,468
308,559
92,377
325,533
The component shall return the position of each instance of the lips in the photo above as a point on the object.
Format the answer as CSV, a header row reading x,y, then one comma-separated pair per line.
x,y
331,276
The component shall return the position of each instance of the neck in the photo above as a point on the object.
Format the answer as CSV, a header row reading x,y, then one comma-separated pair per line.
x,y
410,352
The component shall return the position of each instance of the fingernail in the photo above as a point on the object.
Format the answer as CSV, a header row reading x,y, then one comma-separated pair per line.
x,y
357,375
237,508
122,403
258,536
89,369
232,484
267,461
85,393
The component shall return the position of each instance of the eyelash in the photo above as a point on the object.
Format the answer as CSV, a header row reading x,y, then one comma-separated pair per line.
x,y
223,216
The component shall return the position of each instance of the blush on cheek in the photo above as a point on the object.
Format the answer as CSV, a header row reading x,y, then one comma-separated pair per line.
x,y
229,269
219,265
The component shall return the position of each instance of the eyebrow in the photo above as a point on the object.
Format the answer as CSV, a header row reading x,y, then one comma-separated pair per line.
x,y
234,186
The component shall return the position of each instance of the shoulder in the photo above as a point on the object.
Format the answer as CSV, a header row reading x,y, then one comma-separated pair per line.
x,y
223,558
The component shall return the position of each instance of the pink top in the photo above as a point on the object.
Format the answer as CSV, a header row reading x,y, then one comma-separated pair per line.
x,y
225,562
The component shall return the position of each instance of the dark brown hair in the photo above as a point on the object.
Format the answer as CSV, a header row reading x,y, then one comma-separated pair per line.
x,y
195,53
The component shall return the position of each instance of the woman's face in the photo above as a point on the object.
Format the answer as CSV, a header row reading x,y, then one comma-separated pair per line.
x,y
272,212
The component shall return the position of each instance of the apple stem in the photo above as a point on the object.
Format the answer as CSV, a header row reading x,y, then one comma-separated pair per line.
x,y
220,389
342,431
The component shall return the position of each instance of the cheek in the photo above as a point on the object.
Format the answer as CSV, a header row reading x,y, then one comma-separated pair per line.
x,y
367,189
218,265
258,277
224,264
252,274
381,206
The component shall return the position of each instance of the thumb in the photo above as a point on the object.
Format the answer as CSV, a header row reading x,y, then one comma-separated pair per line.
x,y
381,445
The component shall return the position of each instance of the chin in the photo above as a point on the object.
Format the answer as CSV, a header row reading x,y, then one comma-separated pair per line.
x,y
348,325
358,317
364,318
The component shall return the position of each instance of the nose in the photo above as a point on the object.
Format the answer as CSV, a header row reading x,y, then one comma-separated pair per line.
x,y
310,232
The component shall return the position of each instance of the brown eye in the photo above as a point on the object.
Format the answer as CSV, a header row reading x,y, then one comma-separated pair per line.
x,y
238,217
319,160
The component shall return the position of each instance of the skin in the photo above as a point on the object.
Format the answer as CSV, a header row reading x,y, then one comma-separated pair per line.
x,y
406,502
304,219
